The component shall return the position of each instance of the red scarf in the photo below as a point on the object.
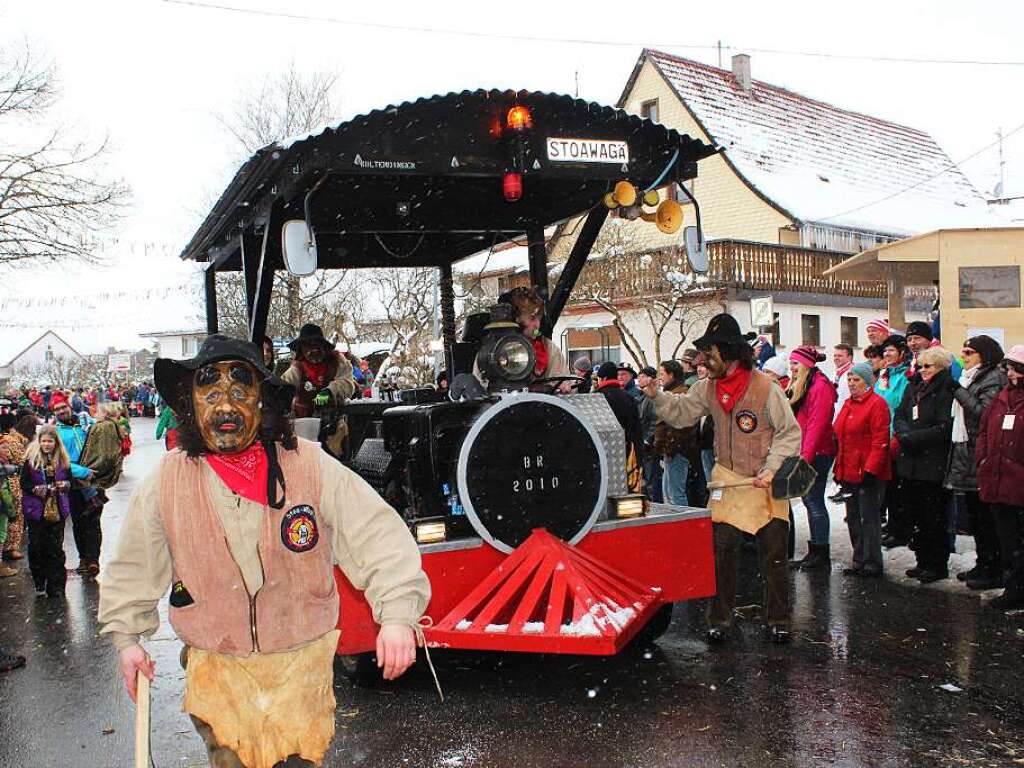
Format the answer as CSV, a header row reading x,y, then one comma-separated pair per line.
x,y
315,372
245,472
540,349
730,389
609,383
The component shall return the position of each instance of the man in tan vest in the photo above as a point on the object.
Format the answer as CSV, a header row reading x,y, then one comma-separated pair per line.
x,y
244,522
754,431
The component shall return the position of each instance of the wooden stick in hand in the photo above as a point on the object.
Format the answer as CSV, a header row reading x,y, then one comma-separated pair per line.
x,y
141,721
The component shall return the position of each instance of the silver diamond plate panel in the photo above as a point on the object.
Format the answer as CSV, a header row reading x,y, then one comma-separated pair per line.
x,y
601,417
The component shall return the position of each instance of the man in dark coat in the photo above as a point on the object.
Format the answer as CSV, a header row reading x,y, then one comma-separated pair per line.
x,y
977,386
622,405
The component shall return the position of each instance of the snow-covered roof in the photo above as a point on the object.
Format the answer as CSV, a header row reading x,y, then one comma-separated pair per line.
x,y
497,261
823,164
363,349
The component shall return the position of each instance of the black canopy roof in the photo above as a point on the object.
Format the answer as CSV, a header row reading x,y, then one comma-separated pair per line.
x,y
421,183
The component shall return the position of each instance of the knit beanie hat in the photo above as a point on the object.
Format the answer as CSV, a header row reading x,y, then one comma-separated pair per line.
x,y
809,356
1016,354
989,349
879,325
897,341
864,372
919,328
778,366
607,371
583,364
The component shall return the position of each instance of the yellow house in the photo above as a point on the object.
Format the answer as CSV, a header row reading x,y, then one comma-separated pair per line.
x,y
978,272
798,185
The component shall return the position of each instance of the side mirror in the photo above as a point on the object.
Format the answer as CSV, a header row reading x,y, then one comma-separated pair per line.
x,y
299,248
696,250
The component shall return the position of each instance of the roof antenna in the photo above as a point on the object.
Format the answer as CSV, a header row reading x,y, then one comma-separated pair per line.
x,y
719,54
577,75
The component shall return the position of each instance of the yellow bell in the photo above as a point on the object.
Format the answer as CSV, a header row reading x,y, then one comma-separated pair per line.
x,y
609,201
669,217
651,197
625,193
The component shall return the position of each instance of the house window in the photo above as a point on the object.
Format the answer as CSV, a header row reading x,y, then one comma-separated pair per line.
x,y
848,331
649,110
989,287
48,354
810,330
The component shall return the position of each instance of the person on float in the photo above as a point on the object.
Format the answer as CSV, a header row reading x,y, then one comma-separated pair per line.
x,y
863,468
922,428
755,430
981,381
322,377
813,397
628,416
1000,455
244,524
583,369
529,306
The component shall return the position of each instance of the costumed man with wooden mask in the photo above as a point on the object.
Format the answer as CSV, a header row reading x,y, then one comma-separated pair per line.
x,y
244,522
322,377
755,430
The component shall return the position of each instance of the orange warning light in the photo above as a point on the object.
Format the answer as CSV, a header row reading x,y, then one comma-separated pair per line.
x,y
519,118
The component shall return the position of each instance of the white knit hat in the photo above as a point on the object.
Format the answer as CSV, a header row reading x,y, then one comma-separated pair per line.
x,y
777,365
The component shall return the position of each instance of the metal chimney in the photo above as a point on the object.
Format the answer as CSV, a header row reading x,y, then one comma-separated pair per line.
x,y
741,70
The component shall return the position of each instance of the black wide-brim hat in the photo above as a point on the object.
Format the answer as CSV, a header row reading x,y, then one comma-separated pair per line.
x,y
723,329
309,332
174,378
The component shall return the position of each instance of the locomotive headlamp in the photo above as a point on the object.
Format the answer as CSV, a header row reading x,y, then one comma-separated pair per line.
x,y
506,357
634,505
430,531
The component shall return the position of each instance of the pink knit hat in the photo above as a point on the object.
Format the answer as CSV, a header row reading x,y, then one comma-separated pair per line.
x,y
879,325
1016,354
809,356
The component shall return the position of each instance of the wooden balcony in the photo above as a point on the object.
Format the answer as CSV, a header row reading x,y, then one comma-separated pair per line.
x,y
734,264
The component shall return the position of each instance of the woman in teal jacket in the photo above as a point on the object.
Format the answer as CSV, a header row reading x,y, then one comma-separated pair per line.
x,y
892,380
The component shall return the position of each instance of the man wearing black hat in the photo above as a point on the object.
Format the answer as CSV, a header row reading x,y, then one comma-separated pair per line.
x,y
244,523
320,374
628,416
755,430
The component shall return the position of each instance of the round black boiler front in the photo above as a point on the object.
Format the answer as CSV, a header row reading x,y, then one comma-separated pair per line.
x,y
532,461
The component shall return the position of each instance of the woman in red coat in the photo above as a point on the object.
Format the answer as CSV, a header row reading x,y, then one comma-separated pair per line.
x,y
863,468
1000,454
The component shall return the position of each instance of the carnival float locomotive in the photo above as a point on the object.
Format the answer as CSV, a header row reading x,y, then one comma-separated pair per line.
x,y
519,499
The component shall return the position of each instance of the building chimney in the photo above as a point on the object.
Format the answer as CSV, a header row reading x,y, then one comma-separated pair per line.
x,y
741,70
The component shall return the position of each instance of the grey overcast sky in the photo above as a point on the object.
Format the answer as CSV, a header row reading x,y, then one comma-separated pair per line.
x,y
152,74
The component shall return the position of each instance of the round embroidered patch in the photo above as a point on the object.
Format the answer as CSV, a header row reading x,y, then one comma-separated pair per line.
x,y
746,421
299,531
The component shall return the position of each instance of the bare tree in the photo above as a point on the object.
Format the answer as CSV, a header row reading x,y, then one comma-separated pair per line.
x,y
646,292
55,201
278,106
406,296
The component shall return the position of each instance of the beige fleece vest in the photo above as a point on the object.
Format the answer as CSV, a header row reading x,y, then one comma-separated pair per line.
x,y
298,601
744,435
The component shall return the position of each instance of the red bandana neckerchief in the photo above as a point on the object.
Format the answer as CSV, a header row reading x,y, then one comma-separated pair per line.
x,y
540,349
315,372
731,388
244,473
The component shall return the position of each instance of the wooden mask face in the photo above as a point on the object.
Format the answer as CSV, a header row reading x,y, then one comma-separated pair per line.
x,y
226,399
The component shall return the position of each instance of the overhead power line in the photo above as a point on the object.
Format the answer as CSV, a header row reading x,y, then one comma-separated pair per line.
x,y
917,184
582,41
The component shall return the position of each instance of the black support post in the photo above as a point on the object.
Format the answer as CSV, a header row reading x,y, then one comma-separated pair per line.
x,y
250,250
538,258
210,288
577,260
265,274
447,290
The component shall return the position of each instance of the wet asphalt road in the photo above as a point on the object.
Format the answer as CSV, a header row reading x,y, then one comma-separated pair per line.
x,y
860,686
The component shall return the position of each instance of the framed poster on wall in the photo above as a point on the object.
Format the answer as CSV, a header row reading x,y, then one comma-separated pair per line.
x,y
989,287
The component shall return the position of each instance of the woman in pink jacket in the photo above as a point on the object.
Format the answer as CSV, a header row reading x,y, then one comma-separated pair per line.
x,y
813,398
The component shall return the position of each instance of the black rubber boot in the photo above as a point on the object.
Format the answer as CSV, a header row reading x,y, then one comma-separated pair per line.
x,y
818,558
